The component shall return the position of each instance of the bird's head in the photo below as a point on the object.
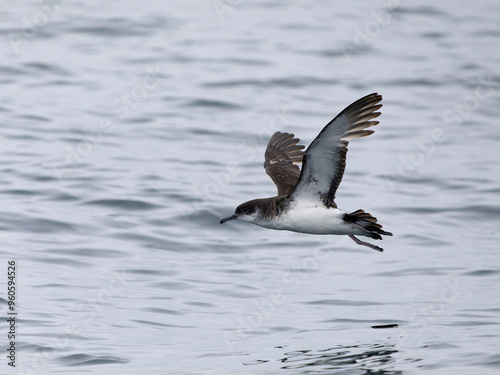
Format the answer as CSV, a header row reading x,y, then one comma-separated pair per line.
x,y
247,211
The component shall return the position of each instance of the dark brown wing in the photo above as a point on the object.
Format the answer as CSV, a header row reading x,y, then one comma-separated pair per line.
x,y
324,160
281,154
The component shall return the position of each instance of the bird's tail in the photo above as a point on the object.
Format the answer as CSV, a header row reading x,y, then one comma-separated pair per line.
x,y
366,222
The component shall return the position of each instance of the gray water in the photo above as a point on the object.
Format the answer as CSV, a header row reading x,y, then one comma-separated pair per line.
x,y
128,129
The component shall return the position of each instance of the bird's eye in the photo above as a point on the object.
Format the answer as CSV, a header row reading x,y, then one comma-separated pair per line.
x,y
243,211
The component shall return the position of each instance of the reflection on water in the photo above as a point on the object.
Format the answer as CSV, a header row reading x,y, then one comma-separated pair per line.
x,y
348,359
342,357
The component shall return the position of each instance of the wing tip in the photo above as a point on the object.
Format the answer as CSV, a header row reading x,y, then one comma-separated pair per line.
x,y
357,134
283,148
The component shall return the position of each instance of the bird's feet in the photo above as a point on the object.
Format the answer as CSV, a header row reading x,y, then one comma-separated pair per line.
x,y
371,246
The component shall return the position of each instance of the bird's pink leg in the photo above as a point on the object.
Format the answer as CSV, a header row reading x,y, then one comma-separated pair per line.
x,y
359,242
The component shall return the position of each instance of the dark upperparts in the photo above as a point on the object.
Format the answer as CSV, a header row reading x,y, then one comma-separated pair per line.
x,y
282,154
266,207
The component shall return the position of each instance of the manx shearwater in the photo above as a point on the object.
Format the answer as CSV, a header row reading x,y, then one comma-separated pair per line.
x,y
306,198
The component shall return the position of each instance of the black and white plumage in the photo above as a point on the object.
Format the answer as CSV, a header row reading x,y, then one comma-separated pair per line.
x,y
306,198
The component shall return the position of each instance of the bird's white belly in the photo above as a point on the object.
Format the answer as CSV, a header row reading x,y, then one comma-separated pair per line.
x,y
314,220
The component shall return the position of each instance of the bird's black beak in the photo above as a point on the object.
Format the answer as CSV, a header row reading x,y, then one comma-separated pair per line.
x,y
232,217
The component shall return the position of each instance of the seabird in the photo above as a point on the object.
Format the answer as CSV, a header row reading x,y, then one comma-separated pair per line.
x,y
305,201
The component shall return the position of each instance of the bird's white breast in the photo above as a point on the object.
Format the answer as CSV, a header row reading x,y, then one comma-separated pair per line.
x,y
314,219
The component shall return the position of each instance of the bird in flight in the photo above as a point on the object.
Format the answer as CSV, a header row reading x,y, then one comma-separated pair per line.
x,y
305,201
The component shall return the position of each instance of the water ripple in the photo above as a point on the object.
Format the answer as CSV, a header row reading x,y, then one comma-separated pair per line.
x,y
125,204
90,360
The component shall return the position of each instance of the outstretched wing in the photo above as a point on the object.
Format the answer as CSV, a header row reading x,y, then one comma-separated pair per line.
x,y
324,160
281,155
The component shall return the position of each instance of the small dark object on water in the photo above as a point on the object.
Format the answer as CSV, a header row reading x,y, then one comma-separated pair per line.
x,y
385,326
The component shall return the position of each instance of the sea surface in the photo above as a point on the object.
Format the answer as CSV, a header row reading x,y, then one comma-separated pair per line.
x,y
129,129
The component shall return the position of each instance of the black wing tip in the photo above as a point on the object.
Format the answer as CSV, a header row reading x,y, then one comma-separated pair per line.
x,y
283,147
372,95
370,101
280,137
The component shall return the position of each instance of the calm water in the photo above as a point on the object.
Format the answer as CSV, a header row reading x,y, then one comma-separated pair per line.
x,y
128,130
